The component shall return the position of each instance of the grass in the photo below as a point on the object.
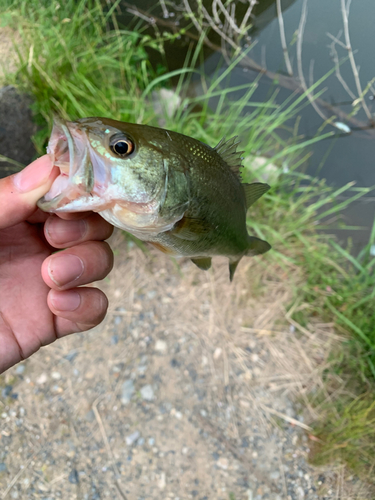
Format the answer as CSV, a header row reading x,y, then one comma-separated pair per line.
x,y
79,66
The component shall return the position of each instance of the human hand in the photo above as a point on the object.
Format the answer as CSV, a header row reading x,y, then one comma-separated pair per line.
x,y
39,298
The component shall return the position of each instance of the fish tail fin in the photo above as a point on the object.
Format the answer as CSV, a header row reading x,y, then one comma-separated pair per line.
x,y
257,246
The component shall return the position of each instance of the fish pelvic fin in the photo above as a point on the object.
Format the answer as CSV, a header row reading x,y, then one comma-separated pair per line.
x,y
227,149
203,263
254,191
257,246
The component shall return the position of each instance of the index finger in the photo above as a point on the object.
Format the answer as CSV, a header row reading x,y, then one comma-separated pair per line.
x,y
61,233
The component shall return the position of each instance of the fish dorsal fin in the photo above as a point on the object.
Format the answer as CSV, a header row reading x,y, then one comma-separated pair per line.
x,y
203,263
228,152
254,191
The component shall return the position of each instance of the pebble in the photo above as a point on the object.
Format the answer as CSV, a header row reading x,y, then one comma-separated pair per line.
x,y
132,438
161,346
217,353
151,441
6,391
71,355
147,392
42,379
20,369
222,463
3,467
73,477
114,339
300,493
127,391
56,375
275,474
162,482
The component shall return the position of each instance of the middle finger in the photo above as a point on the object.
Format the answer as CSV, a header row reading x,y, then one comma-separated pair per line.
x,y
79,265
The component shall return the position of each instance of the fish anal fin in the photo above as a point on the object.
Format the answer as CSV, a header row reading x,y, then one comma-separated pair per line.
x,y
227,149
232,268
190,229
254,191
257,246
203,263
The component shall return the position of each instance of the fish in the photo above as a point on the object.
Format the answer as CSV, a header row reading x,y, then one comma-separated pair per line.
x,y
173,191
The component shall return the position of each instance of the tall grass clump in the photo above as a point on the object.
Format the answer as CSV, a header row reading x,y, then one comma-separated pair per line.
x,y
74,64
76,61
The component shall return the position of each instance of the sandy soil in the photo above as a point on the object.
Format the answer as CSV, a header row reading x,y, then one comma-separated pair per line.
x,y
192,388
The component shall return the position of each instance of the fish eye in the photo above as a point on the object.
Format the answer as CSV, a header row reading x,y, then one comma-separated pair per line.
x,y
121,145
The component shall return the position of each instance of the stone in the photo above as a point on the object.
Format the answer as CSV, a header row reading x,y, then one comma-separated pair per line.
x,y
127,391
73,477
147,392
132,438
161,346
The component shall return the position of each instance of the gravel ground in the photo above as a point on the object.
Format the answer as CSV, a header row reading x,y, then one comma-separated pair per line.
x,y
187,390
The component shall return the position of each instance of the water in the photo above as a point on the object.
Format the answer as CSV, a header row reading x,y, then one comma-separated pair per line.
x,y
344,158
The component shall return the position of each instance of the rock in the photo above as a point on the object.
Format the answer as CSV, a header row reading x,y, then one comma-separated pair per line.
x,y
16,129
222,463
73,477
132,438
151,441
161,346
147,392
217,353
3,467
162,482
71,355
275,475
6,391
20,369
300,493
56,375
42,379
127,391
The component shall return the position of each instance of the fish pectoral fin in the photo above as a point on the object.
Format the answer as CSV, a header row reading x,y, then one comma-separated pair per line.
x,y
254,191
257,246
190,229
203,263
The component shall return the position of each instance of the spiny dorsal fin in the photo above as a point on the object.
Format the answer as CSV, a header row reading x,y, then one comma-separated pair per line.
x,y
254,191
202,262
228,152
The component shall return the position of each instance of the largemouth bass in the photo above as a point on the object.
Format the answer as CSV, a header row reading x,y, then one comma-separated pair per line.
x,y
182,196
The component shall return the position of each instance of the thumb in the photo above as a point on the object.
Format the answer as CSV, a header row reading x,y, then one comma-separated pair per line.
x,y
20,192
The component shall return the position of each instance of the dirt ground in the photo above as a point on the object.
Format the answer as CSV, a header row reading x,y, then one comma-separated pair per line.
x,y
191,388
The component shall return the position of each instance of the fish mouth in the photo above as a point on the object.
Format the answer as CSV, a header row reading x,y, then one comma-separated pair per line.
x,y
72,190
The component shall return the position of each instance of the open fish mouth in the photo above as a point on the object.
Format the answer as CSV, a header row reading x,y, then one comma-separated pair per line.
x,y
73,189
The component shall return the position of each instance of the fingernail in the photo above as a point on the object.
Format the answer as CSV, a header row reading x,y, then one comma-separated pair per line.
x,y
62,231
34,175
65,301
65,269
